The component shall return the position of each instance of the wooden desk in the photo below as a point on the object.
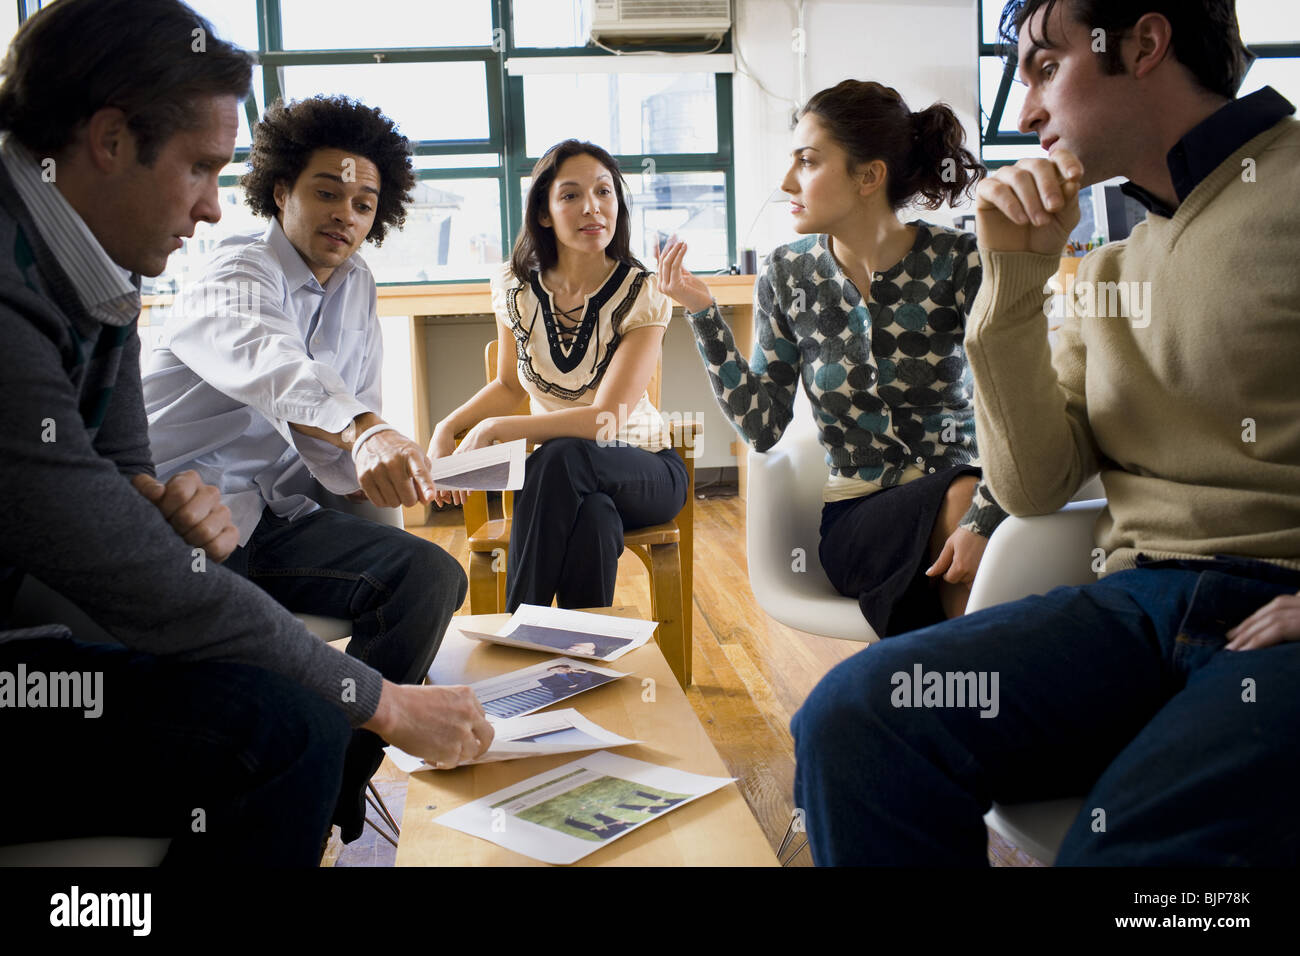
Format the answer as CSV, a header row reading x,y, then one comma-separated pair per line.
x,y
715,830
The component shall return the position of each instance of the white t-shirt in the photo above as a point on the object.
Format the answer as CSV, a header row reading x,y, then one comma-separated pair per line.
x,y
564,370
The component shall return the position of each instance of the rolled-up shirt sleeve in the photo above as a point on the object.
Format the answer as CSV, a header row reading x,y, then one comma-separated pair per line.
x,y
332,466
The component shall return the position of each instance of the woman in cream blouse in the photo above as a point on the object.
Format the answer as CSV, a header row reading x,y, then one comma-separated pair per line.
x,y
580,322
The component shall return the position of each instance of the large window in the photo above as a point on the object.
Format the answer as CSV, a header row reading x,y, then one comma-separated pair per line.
x,y
1270,28
482,88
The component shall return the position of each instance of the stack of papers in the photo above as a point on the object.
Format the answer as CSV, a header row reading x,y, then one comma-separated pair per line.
x,y
558,732
491,468
541,685
575,633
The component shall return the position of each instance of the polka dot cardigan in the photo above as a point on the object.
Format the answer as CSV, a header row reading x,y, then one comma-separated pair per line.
x,y
890,388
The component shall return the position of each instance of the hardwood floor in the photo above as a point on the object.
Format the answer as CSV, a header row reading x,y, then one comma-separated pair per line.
x,y
750,675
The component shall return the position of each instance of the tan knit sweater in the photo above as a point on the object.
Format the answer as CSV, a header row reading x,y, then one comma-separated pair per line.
x,y
1162,386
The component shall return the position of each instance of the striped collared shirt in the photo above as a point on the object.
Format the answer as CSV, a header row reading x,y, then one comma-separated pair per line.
x,y
106,289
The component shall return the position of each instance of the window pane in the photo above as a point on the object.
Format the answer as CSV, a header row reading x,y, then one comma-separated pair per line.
x,y
1281,73
632,113
347,25
235,20
1269,21
244,139
8,22
992,17
692,206
403,92
991,68
1011,153
459,161
453,231
550,23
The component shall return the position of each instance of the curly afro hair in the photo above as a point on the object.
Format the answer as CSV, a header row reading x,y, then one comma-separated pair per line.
x,y
289,133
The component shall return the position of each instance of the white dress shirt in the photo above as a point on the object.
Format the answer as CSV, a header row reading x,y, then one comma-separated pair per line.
x,y
256,344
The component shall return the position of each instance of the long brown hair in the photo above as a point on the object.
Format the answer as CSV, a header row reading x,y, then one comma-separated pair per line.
x,y
924,152
535,246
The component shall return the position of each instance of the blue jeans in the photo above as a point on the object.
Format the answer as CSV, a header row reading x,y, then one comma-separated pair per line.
x,y
238,765
1120,690
398,590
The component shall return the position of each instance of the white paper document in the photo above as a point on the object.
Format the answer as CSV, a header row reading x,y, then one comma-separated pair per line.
x,y
540,685
554,732
491,468
564,814
575,633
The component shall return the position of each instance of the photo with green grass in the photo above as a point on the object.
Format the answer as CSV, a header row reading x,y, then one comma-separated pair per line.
x,y
601,808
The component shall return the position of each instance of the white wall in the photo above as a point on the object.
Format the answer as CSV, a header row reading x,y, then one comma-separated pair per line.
x,y
926,49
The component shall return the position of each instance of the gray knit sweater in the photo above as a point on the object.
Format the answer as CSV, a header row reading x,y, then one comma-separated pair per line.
x,y
72,434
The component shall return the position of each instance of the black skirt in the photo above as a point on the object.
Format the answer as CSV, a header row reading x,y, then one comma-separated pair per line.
x,y
876,549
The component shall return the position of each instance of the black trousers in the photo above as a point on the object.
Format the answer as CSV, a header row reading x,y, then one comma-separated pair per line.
x,y
579,496
398,590
238,765
876,549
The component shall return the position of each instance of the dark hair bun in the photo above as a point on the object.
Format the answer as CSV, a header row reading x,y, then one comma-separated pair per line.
x,y
924,152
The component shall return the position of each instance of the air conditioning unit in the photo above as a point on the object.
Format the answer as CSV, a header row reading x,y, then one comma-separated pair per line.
x,y
640,21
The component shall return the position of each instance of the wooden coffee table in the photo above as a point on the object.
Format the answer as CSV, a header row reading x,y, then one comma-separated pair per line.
x,y
715,830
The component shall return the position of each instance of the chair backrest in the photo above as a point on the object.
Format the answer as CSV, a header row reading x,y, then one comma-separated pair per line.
x,y
783,519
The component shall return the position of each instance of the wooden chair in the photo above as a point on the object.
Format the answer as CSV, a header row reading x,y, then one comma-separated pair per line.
x,y
665,549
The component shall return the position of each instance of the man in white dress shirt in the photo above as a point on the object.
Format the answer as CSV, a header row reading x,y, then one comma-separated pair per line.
x,y
266,383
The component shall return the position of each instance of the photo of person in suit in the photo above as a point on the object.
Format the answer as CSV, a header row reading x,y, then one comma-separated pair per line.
x,y
563,680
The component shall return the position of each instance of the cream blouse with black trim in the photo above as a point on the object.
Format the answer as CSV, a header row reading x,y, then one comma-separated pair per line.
x,y
564,371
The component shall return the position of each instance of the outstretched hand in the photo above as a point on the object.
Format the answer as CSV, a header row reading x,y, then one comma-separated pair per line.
x,y
679,283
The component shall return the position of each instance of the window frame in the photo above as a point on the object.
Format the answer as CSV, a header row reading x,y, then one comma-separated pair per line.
x,y
505,99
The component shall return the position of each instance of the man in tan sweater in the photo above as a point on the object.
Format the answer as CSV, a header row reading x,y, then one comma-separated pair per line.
x,y
1169,691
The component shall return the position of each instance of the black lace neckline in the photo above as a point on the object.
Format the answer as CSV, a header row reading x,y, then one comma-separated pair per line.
x,y
568,343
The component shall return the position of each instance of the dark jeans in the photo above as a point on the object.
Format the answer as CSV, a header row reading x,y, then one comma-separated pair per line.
x,y
1121,690
398,590
238,765
578,498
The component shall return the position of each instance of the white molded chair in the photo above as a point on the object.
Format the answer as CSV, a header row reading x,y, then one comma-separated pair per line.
x,y
1031,556
783,507
36,603
1024,556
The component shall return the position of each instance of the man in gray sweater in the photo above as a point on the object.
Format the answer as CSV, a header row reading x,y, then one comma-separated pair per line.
x,y
234,712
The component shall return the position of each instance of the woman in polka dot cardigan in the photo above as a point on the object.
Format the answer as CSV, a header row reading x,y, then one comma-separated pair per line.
x,y
906,517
